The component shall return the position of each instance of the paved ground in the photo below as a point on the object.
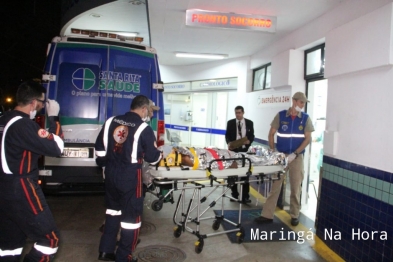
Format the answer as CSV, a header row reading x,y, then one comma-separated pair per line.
x,y
79,218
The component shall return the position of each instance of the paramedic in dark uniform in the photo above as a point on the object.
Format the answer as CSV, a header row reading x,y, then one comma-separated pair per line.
x,y
121,146
24,212
293,128
238,128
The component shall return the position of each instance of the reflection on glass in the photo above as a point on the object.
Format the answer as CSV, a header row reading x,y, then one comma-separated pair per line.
x,y
259,77
268,76
314,62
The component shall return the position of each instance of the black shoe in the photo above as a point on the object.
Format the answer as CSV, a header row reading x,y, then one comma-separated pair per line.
x,y
107,256
263,220
246,201
294,222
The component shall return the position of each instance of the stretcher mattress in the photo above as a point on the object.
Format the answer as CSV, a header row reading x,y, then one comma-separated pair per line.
x,y
178,173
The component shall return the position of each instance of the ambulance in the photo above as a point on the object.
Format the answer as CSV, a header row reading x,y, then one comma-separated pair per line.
x,y
94,75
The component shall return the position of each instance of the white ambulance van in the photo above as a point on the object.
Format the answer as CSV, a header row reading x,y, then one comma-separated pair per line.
x,y
94,76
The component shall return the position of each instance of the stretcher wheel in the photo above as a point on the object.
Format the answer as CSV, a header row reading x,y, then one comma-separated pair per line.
x,y
177,232
199,246
240,236
156,205
216,224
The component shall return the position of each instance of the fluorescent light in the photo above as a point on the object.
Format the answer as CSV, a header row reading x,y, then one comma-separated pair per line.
x,y
208,56
126,33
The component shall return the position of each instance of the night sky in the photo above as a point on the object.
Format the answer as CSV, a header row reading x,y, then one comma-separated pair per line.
x,y
27,27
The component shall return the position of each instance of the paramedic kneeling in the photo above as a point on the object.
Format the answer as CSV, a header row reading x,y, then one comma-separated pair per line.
x,y
24,212
293,129
121,146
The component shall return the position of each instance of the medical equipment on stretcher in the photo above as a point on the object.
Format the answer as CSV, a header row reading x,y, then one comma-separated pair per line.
x,y
187,218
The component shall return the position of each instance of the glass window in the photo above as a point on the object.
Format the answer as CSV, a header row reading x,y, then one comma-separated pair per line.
x,y
261,77
314,62
268,76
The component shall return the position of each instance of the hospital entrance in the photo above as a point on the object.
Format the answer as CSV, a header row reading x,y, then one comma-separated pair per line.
x,y
197,119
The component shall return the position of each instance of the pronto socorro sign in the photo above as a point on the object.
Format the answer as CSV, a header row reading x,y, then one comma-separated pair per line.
x,y
230,20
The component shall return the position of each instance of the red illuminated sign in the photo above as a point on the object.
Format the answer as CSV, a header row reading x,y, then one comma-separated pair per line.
x,y
230,20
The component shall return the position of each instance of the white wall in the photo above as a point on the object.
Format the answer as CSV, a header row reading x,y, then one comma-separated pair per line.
x,y
361,44
359,110
360,73
314,32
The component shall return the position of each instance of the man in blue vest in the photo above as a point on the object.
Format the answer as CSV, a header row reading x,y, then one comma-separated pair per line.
x,y
293,128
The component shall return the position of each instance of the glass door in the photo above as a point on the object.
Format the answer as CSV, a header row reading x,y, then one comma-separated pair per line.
x,y
201,111
198,119
178,120
317,94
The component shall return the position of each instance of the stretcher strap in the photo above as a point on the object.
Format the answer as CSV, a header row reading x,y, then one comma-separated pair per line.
x,y
196,159
243,160
208,172
176,158
167,168
215,155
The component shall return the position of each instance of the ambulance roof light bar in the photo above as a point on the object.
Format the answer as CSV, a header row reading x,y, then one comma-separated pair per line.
x,y
122,36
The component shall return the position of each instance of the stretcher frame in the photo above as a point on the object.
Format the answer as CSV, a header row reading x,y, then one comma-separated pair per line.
x,y
185,179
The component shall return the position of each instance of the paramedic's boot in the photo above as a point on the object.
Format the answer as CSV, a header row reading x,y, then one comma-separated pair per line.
x,y
294,221
107,256
132,258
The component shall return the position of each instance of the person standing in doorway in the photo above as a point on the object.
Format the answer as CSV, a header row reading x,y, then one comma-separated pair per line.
x,y
121,146
293,128
239,128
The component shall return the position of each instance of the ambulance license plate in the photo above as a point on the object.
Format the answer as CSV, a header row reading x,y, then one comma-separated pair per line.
x,y
76,152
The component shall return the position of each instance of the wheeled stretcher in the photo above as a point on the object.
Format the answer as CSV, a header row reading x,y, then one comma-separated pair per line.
x,y
189,213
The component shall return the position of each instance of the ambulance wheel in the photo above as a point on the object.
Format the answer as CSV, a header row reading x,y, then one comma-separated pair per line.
x,y
240,236
177,232
156,205
216,224
199,246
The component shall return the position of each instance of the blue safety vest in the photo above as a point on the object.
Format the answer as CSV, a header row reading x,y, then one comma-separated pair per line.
x,y
290,133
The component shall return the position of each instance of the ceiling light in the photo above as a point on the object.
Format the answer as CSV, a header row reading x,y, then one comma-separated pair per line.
x,y
95,15
136,2
126,33
207,56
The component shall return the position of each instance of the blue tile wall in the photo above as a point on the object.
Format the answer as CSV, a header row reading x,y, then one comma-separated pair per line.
x,y
352,198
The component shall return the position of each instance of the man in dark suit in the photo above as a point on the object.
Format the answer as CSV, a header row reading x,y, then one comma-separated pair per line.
x,y
238,128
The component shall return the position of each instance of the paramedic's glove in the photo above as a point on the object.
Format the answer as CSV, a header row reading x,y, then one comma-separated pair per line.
x,y
291,157
52,108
